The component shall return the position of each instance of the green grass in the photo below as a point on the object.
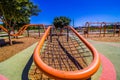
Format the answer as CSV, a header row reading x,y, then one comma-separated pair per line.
x,y
13,67
2,32
111,52
3,37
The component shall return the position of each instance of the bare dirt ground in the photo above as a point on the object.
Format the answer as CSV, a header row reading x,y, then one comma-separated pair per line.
x,y
20,44
107,38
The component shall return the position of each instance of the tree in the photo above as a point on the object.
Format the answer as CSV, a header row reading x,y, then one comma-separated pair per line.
x,y
61,22
14,12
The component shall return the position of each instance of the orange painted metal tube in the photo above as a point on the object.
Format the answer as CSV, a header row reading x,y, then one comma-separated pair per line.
x,y
22,29
1,27
67,75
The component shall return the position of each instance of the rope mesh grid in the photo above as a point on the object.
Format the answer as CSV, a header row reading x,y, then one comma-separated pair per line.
x,y
63,55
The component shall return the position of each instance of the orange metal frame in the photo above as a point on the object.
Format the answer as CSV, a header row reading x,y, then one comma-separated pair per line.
x,y
67,75
22,29
87,25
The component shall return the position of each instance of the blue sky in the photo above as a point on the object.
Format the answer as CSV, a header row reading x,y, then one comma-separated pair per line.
x,y
79,10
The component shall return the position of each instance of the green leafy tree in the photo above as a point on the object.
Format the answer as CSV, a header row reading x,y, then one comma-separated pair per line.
x,y
61,22
16,12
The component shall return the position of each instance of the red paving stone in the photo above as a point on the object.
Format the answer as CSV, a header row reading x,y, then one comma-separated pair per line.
x,y
3,78
108,70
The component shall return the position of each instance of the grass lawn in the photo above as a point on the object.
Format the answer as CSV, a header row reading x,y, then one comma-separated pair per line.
x,y
111,51
13,67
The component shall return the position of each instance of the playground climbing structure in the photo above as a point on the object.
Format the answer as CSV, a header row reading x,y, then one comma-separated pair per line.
x,y
22,29
67,56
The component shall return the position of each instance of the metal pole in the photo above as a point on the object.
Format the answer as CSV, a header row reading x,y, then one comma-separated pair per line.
x,y
39,31
100,29
87,30
119,32
114,30
28,32
67,34
51,35
104,29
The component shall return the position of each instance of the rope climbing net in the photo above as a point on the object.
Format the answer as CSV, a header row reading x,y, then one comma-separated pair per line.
x,y
64,52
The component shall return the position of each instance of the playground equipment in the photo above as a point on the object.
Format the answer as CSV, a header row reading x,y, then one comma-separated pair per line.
x,y
22,29
102,28
61,57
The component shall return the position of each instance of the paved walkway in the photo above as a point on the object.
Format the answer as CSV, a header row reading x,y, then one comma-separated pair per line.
x,y
12,68
108,70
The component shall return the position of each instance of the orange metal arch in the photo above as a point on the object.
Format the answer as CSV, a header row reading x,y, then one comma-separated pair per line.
x,y
22,29
67,75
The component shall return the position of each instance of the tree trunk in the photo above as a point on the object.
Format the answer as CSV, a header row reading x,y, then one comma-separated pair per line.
x,y
10,41
13,31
